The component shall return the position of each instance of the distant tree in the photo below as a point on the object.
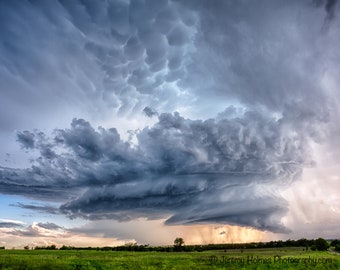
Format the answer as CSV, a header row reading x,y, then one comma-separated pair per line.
x,y
321,244
131,246
335,242
337,248
178,244
303,242
52,247
26,247
66,247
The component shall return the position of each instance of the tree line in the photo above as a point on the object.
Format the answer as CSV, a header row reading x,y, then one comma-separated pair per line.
x,y
319,244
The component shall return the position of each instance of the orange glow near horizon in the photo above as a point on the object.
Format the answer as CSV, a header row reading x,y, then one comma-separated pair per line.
x,y
215,234
142,232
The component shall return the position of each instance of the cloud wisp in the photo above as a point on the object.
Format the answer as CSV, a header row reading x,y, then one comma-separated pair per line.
x,y
7,223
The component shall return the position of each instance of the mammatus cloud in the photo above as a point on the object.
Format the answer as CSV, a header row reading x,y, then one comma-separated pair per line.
x,y
122,56
192,171
119,56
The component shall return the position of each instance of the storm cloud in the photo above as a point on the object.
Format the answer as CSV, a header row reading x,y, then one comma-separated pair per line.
x,y
223,101
192,171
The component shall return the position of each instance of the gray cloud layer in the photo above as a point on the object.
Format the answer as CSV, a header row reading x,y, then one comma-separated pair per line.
x,y
193,171
8,224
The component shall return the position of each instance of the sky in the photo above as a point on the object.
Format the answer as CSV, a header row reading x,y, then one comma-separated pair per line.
x,y
145,120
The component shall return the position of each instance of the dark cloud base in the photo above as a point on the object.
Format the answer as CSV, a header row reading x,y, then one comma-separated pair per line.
x,y
215,171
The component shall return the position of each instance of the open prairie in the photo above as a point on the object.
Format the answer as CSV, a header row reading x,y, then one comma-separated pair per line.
x,y
268,258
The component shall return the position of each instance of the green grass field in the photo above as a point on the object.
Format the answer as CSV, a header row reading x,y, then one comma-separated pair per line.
x,y
274,258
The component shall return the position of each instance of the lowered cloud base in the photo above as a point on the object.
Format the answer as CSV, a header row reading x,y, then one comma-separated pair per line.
x,y
221,170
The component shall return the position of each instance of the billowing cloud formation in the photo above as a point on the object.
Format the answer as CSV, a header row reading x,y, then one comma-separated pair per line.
x,y
273,60
216,170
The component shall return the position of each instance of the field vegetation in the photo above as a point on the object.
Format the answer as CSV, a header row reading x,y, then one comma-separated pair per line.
x,y
131,256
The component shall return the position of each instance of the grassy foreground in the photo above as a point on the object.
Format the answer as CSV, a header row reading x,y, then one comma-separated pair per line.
x,y
274,258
